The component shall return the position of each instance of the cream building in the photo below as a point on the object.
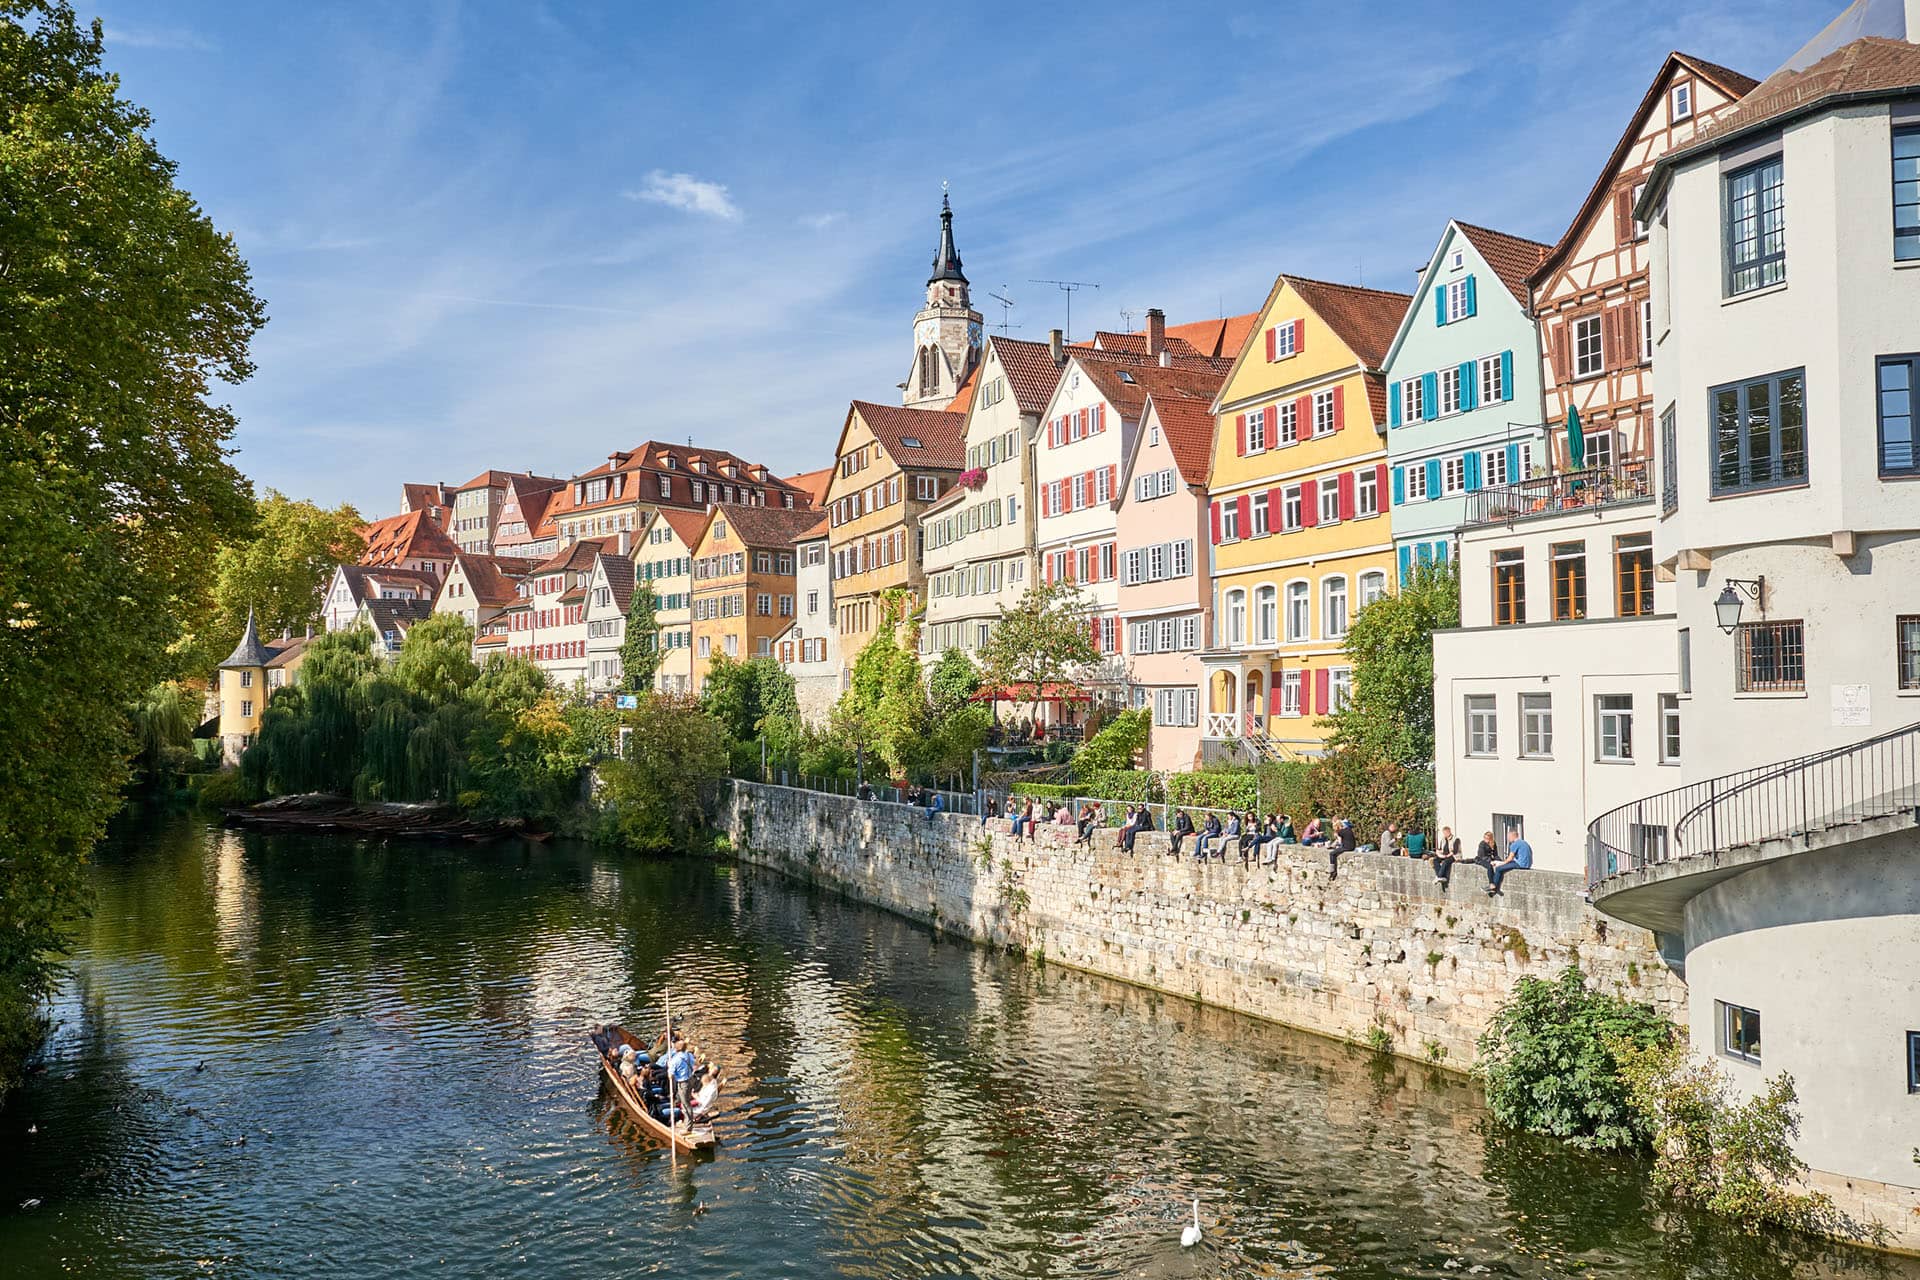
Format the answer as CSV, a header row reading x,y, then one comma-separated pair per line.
x,y
809,649
663,562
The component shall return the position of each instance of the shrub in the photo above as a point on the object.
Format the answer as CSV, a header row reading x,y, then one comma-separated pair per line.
x,y
1133,785
1551,1061
1214,789
1115,746
1044,790
228,789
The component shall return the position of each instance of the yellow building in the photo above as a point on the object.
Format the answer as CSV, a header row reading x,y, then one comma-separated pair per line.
x,y
1297,503
245,681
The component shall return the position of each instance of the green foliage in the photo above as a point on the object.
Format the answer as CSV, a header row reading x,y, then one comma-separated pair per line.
x,y
953,680
640,649
1116,746
652,800
1044,790
120,306
751,700
1379,1039
163,722
1040,640
435,665
1355,783
1732,1158
1213,789
1552,1061
1390,715
1138,786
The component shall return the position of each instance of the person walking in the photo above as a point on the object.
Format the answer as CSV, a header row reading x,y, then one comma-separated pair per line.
x,y
1519,858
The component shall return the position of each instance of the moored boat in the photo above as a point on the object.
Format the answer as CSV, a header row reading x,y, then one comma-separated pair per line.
x,y
683,1135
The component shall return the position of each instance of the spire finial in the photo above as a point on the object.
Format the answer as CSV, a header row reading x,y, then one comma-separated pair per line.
x,y
946,259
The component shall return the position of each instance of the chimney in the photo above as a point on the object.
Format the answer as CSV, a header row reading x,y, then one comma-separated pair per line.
x,y
1156,331
1166,358
1913,21
1057,344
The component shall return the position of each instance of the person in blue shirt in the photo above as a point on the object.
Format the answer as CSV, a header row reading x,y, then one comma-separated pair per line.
x,y
680,1065
1519,858
937,803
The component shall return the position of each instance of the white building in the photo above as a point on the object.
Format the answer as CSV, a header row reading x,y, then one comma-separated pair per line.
x,y
609,593
810,648
352,585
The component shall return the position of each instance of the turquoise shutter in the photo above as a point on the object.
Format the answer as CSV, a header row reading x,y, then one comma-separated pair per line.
x,y
1399,486
1440,553
1506,375
1513,464
1472,460
1433,477
1406,565
1469,385
1393,404
1426,554
1470,298
1429,396
1440,304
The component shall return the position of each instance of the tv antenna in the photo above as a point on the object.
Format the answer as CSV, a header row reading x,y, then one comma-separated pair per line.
x,y
1007,305
1068,287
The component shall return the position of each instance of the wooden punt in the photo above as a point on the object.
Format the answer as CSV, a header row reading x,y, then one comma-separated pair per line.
x,y
686,1136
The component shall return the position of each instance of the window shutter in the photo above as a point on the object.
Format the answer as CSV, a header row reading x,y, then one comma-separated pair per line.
x,y
1429,396
1310,503
1299,336
1623,214
1393,404
1346,495
1339,408
1562,355
1399,486
1246,514
1406,565
1472,468
1302,417
1379,481
1273,426
1433,477
1322,687
1099,418
1272,335
1469,385
1276,507
1610,338
1240,435
1113,478
1506,375
1513,464
1440,304
1214,511
1273,698
1630,336
1472,308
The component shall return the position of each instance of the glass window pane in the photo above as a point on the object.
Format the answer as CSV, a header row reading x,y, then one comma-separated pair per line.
x,y
1759,432
1726,435
1793,427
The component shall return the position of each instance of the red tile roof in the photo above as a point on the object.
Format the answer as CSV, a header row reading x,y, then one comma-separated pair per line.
x,y
941,436
963,398
1186,421
1873,64
813,484
577,558
501,479
618,571
1031,372
1135,344
1512,258
687,525
818,529
418,497
684,464
1126,384
765,526
1220,338
409,535
1365,319
491,579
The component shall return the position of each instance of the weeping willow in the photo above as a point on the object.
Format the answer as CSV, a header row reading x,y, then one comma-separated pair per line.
x,y
163,723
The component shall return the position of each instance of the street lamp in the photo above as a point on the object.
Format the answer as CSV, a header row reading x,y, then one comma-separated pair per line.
x,y
1726,609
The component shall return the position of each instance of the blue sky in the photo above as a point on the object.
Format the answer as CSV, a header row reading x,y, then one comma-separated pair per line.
x,y
523,235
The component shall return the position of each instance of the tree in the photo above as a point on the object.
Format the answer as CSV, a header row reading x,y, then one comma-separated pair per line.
x,y
280,570
640,651
163,722
435,665
1390,714
120,305
952,683
653,799
751,700
1041,640
1115,746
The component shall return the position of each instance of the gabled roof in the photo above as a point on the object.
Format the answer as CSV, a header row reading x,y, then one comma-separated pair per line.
x,y
765,526
1135,344
941,437
1512,258
1364,319
818,529
963,398
1031,372
688,525
360,576
1221,339
1125,384
1730,83
577,558
501,479
1869,66
491,579
1186,422
395,615
813,484
618,571
409,535
287,650
418,497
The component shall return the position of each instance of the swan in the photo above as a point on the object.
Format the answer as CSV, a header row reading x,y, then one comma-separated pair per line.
x,y
1191,1235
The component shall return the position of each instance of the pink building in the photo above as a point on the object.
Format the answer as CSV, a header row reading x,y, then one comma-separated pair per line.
x,y
1165,593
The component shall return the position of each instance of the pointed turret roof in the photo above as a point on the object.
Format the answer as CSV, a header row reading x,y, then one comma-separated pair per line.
x,y
249,652
946,260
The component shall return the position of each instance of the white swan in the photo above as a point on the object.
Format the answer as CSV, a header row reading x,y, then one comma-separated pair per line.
x,y
1191,1235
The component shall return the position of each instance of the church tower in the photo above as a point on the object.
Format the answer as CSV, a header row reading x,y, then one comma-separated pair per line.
x,y
948,333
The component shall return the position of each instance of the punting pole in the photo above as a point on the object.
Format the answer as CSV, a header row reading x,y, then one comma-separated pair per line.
x,y
673,1125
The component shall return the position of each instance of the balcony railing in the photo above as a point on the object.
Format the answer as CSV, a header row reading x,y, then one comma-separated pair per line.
x,y
1561,493
1791,799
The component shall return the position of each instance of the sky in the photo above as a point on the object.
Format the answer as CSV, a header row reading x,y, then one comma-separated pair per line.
x,y
523,235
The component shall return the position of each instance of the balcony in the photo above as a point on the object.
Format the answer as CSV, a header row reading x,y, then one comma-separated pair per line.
x,y
1562,493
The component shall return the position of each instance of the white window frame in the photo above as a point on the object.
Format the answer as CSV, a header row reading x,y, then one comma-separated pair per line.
x,y
1340,689
1291,508
1680,102
1646,329
1336,613
1287,429
1299,614
1453,475
1283,341
1373,585
1576,347
1411,403
1449,390
1482,712
1456,300
1493,467
1261,518
1257,431
1266,613
1329,503
1366,493
1416,481
1493,387
1536,726
1322,413
1289,693
1233,618
1671,744
1613,728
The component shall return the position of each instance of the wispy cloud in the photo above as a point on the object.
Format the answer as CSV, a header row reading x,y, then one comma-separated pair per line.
x,y
821,221
687,193
139,37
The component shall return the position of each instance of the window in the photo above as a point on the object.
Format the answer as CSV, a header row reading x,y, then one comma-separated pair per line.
x,y
1907,643
1756,231
1458,305
1287,428
1261,521
1760,433
1569,581
1669,462
1229,520
1290,507
1646,329
1613,727
1588,357
1450,389
1329,502
1483,734
1739,1032
1266,614
1509,587
1898,454
1682,101
1236,619
1536,726
1283,346
1289,693
1453,475
1341,689
1493,380
246,679
246,706
1906,193
1599,456
1633,575
1913,1062
1366,493
1298,618
1493,467
1322,412
1257,431
1669,728
666,486
1411,405
1771,657
1333,602
1373,585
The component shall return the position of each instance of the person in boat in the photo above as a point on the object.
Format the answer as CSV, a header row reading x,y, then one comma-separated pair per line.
x,y
680,1065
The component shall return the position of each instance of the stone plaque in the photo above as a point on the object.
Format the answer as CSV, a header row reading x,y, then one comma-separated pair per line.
x,y
1852,705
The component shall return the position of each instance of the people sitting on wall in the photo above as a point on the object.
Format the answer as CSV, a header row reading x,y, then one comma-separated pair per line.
x,y
1211,837
1390,840
1519,858
1089,819
936,803
992,809
1286,834
1415,844
1487,853
1140,819
1316,832
1251,834
865,791
1062,815
1444,853
1348,837
1179,829
1023,821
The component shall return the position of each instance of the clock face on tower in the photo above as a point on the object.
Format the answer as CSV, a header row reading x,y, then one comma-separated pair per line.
x,y
974,336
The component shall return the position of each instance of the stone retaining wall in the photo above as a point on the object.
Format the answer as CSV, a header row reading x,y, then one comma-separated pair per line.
x,y
1381,946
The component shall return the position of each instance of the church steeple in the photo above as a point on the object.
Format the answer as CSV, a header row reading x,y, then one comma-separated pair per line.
x,y
946,259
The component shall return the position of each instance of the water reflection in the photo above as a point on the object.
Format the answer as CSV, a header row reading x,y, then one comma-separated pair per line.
x,y
316,1057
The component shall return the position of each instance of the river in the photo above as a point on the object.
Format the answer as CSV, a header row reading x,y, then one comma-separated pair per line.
x,y
299,1056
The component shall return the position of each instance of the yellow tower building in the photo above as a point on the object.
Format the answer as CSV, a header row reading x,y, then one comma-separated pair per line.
x,y
243,693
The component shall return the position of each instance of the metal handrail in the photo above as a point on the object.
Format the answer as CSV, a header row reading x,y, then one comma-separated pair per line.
x,y
1787,799
1561,492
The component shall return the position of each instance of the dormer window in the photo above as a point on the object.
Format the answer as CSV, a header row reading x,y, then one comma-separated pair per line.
x,y
1126,377
912,442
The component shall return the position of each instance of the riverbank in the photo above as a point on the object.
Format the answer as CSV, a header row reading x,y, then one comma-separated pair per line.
x,y
1382,955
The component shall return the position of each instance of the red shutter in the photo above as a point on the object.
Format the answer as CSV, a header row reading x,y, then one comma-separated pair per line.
x,y
1273,694
1380,490
1276,504
1090,490
1086,420
1562,359
1240,435
1271,335
1099,418
1310,503
1093,626
1299,336
1322,688
1273,425
1303,417
1246,514
1339,408
1214,511
1346,495
1113,480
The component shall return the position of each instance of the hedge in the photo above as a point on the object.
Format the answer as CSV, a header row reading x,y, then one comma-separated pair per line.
x,y
1045,790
